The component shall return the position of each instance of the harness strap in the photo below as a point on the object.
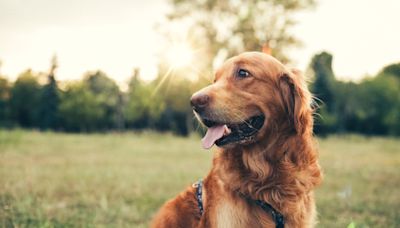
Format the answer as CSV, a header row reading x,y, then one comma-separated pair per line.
x,y
276,216
199,192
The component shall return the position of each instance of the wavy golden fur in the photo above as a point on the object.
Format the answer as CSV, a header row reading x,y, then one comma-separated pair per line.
x,y
279,166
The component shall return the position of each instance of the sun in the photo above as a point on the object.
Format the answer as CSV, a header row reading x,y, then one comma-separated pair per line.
x,y
180,55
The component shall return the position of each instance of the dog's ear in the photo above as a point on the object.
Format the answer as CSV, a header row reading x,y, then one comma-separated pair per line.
x,y
294,96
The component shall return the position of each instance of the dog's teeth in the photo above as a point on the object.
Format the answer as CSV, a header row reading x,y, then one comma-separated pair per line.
x,y
227,130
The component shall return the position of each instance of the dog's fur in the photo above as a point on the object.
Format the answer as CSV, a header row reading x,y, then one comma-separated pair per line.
x,y
279,166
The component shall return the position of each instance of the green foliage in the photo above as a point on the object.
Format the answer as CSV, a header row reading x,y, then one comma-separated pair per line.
x,y
49,102
24,100
379,105
175,92
80,109
392,69
369,107
323,88
392,120
4,102
324,79
143,107
108,96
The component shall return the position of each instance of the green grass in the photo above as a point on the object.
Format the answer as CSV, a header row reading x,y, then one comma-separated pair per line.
x,y
119,180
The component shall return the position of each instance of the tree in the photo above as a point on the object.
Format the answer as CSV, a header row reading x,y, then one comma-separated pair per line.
x,y
324,79
176,96
392,119
79,109
323,87
49,100
379,102
107,95
227,27
175,90
4,102
392,69
347,107
24,99
143,107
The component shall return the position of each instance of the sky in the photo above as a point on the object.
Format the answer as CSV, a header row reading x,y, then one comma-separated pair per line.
x,y
117,36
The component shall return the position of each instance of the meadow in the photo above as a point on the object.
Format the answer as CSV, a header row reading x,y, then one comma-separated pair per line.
x,y
121,179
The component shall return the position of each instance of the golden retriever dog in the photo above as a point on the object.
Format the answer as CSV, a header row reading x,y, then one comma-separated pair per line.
x,y
259,115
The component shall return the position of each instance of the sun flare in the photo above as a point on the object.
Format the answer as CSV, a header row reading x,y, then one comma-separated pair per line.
x,y
180,55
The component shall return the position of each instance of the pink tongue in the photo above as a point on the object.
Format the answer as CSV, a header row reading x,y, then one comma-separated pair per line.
x,y
212,135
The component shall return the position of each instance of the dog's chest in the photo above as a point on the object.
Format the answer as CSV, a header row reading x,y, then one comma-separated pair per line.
x,y
231,214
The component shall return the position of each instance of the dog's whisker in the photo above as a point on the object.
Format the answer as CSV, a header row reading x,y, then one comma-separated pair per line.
x,y
239,115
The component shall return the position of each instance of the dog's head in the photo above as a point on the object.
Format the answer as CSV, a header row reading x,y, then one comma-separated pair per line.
x,y
253,94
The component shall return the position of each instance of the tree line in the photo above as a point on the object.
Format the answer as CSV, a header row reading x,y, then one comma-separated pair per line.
x,y
371,106
96,103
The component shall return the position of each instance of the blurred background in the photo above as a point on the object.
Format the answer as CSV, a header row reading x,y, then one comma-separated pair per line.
x,y
95,123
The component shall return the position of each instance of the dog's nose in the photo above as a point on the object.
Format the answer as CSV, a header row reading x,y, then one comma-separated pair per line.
x,y
199,101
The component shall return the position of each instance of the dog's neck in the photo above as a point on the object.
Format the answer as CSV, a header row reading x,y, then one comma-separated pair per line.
x,y
275,171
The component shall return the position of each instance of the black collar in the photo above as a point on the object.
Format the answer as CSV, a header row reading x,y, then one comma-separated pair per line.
x,y
276,216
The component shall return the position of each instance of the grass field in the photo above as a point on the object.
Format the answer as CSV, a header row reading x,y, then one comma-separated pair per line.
x,y
119,180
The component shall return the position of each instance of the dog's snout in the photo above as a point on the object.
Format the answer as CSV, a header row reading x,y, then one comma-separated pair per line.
x,y
199,101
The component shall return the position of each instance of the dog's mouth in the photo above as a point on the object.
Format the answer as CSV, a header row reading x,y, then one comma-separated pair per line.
x,y
222,134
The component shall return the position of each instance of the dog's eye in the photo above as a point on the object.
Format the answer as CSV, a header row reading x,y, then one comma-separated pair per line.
x,y
243,73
